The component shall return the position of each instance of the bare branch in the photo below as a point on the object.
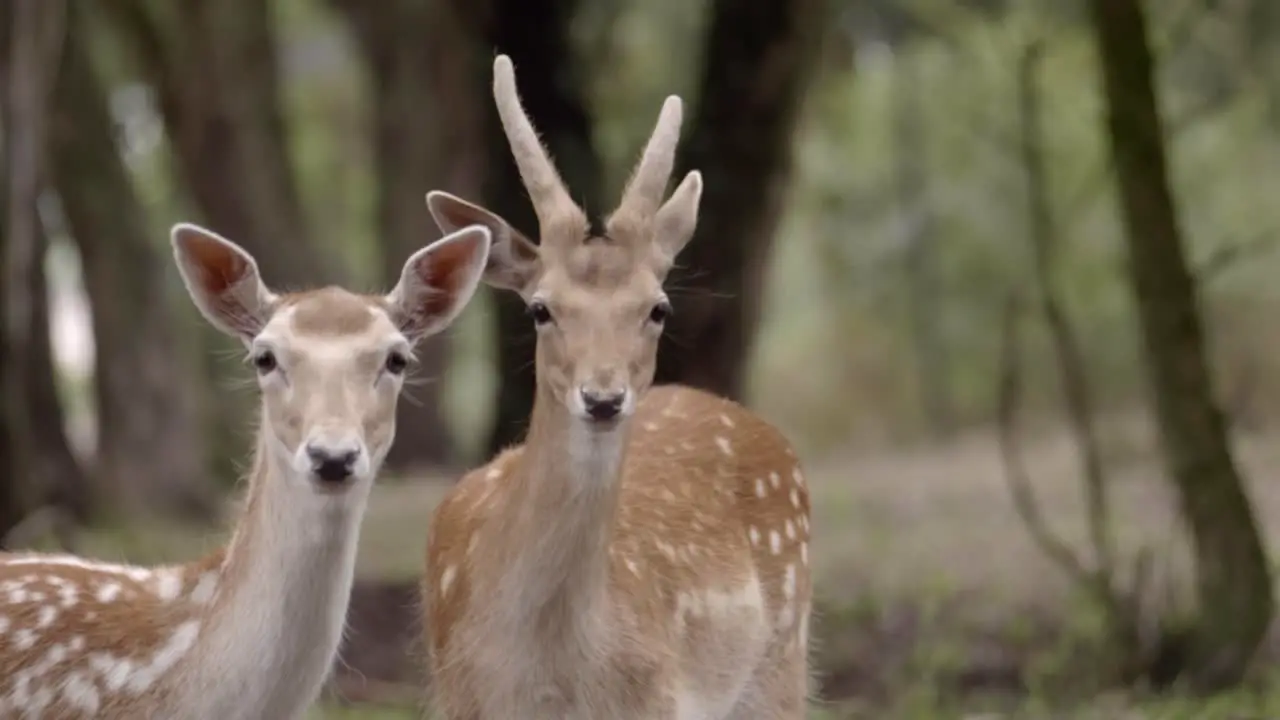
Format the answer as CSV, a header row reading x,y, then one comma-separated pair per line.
x,y
1024,501
1076,394
1223,258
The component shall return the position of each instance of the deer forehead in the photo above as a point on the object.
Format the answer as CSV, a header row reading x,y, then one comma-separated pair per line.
x,y
566,295
332,324
600,265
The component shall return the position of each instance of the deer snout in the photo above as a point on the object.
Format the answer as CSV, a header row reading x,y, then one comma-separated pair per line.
x,y
603,402
332,461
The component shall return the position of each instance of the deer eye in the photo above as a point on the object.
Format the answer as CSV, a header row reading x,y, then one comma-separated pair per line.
x,y
660,313
265,362
539,312
396,362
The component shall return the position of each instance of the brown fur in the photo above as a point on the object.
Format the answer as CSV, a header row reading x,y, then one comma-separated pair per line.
x,y
644,555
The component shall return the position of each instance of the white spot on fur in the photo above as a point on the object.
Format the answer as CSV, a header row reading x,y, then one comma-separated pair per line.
x,y
804,553
46,617
795,498
760,491
165,658
68,592
726,420
775,480
472,542
723,443
798,477
775,542
631,565
650,426
108,592
446,579
205,588
789,582
24,639
791,530
493,474
4,624
168,584
754,534
81,694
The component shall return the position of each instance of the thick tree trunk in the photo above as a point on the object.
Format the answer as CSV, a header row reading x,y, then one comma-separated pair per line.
x,y
1233,583
149,450
33,31
758,60
421,59
535,34
215,69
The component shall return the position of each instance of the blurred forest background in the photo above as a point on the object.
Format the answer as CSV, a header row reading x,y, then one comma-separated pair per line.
x,y
1002,270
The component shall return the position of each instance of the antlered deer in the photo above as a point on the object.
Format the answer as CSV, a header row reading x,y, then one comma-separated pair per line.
x,y
643,554
251,631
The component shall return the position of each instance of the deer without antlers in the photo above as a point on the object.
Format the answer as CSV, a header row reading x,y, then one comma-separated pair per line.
x,y
643,554
250,631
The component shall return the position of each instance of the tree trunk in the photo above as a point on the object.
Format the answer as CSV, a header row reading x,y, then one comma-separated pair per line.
x,y
757,63
420,55
33,30
1233,583
55,468
214,67
535,34
149,450
920,251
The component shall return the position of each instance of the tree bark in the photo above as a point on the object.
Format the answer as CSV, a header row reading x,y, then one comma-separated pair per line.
x,y
149,450
215,69
1233,582
535,34
757,63
420,55
33,31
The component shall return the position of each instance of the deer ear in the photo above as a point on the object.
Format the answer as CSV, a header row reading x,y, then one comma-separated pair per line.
x,y
438,281
677,219
514,261
223,281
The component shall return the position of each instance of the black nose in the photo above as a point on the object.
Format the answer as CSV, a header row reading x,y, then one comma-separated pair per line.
x,y
603,405
332,466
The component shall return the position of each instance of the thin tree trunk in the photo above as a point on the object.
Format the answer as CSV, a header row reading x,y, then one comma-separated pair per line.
x,y
535,34
757,63
420,55
1233,582
62,480
920,252
149,449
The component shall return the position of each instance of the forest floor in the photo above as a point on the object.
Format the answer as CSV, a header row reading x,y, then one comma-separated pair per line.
x,y
932,599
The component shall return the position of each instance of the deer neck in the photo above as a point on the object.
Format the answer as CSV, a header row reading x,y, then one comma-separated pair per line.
x,y
560,513
283,591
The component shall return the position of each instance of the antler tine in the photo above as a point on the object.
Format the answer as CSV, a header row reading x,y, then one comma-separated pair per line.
x,y
546,190
648,183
